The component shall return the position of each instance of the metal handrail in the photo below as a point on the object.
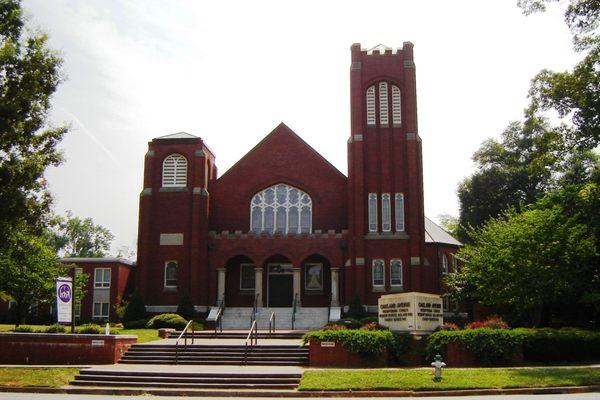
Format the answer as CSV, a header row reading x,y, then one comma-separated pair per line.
x,y
272,323
253,338
254,309
294,310
219,320
183,334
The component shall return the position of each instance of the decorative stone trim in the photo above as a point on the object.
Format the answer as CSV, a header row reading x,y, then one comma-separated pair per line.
x,y
150,153
171,239
173,189
415,261
161,309
358,138
387,236
199,153
356,65
360,261
146,192
409,64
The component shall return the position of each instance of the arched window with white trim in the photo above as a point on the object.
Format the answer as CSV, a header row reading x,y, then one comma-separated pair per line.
x,y
396,106
444,264
396,272
174,172
383,103
281,209
371,105
386,213
171,274
372,212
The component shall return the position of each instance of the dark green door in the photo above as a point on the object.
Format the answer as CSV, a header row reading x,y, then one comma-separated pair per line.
x,y
281,290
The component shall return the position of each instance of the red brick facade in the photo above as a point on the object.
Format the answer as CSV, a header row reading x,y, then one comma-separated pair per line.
x,y
205,224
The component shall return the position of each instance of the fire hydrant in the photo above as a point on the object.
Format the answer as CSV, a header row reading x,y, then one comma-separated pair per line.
x,y
438,364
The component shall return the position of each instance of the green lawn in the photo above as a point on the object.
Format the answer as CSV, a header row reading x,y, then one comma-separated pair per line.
x,y
47,377
144,335
453,378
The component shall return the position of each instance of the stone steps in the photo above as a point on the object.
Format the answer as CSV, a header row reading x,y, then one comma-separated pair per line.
x,y
307,318
185,380
236,334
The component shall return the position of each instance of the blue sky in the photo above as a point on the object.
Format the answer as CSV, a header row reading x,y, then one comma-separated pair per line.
x,y
230,71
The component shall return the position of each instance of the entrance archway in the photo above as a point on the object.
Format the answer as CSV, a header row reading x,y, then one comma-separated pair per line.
x,y
280,281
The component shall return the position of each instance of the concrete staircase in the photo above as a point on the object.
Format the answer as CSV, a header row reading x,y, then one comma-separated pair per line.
x,y
186,380
240,334
215,354
307,318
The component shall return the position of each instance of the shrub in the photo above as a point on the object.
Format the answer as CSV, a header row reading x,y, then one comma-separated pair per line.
x,y
401,347
559,345
350,323
360,341
24,329
493,322
92,329
186,307
138,324
356,309
370,326
448,326
489,346
175,321
333,327
135,309
368,320
56,328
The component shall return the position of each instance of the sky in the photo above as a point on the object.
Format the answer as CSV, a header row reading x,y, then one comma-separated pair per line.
x,y
230,71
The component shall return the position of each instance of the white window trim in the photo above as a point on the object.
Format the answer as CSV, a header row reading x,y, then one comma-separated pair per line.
x,y
370,106
399,212
94,315
386,217
384,112
396,106
444,264
382,285
178,176
373,222
165,274
101,285
392,284
253,267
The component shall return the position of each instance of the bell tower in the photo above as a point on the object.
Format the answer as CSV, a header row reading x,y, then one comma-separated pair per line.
x,y
385,178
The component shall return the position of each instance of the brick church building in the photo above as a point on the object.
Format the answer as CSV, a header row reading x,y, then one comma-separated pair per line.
x,y
283,226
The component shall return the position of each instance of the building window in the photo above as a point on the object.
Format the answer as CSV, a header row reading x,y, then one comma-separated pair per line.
x,y
174,173
371,105
396,273
396,108
378,273
446,302
100,311
313,276
171,274
281,209
247,277
454,263
383,104
386,213
102,278
372,212
399,210
444,264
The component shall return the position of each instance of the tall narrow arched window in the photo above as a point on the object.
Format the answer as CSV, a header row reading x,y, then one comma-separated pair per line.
x,y
171,274
372,212
281,209
444,264
396,272
174,172
371,105
386,213
396,106
383,103
399,210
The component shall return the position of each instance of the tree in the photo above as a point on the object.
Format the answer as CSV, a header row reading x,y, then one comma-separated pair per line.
x,y
526,261
186,307
135,309
511,173
449,223
28,267
76,237
29,75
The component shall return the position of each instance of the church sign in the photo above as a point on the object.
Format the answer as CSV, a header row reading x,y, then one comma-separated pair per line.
x,y
411,312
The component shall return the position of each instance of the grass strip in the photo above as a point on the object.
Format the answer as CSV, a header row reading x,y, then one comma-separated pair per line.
x,y
36,377
453,378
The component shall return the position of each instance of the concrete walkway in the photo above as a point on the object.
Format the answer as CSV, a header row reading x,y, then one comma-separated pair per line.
x,y
226,342
204,369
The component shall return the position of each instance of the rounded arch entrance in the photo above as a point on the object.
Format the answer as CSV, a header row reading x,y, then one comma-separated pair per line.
x,y
240,281
279,281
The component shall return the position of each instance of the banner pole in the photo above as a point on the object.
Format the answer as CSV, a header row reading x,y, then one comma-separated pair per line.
x,y
73,300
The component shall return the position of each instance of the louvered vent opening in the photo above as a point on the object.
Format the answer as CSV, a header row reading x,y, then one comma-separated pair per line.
x,y
383,104
396,109
371,105
174,171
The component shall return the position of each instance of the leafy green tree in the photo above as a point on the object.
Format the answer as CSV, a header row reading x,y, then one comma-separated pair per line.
x,y
135,308
186,307
29,75
449,223
77,237
28,267
526,261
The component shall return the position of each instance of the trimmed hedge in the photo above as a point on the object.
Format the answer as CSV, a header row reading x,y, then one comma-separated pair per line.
x,y
489,346
364,342
174,321
93,329
559,345
137,324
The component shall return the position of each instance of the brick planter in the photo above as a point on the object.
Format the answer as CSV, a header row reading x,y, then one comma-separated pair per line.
x,y
338,356
63,348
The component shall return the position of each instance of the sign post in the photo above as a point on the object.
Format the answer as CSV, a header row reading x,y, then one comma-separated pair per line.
x,y
64,301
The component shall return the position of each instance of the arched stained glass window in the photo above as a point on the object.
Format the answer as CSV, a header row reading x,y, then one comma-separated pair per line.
x,y
282,209
396,106
383,103
371,105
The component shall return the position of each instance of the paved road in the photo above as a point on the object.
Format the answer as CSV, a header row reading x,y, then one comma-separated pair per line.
x,y
28,396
